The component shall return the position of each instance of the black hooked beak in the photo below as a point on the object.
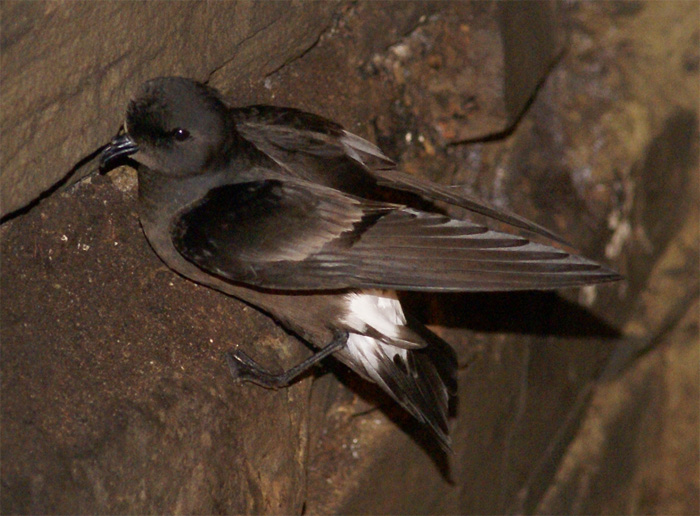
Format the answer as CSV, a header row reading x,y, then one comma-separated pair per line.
x,y
121,146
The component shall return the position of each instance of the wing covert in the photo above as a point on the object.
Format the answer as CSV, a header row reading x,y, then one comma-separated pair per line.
x,y
239,230
288,235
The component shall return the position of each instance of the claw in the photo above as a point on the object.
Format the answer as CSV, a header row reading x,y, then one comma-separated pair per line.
x,y
245,369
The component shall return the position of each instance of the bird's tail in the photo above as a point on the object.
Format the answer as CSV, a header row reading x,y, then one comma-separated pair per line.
x,y
419,371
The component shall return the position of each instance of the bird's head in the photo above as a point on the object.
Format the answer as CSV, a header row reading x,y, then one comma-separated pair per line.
x,y
174,126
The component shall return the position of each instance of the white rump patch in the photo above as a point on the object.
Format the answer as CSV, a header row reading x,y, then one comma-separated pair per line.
x,y
377,309
376,312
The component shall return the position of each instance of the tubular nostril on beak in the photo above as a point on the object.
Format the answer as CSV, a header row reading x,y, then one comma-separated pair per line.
x,y
121,146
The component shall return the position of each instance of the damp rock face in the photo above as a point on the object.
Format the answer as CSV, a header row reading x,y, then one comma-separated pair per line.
x,y
582,117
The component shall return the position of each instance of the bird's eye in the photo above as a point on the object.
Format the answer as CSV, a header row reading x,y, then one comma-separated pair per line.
x,y
180,134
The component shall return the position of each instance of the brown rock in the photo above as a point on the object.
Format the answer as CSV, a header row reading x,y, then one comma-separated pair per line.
x,y
69,68
115,397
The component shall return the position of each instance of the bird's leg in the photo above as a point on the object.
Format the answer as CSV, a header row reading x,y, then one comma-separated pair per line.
x,y
244,368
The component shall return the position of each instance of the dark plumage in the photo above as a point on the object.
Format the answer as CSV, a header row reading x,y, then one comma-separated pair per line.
x,y
289,212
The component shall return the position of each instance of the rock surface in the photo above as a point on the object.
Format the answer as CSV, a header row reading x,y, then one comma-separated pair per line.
x,y
115,395
68,65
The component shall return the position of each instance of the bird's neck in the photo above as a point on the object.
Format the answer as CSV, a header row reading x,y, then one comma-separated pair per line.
x,y
162,196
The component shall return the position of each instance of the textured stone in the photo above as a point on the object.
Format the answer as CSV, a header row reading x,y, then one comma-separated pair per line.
x,y
638,450
115,395
66,66
60,91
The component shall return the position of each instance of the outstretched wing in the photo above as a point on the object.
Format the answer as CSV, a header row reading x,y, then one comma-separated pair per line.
x,y
297,141
295,235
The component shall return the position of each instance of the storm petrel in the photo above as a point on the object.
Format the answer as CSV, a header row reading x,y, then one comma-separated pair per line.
x,y
314,225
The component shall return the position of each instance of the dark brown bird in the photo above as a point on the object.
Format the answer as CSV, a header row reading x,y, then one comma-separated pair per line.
x,y
289,212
